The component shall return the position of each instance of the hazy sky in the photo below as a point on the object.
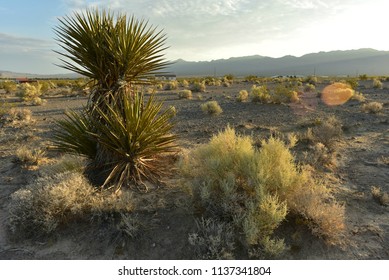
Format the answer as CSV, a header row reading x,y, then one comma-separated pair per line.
x,y
203,29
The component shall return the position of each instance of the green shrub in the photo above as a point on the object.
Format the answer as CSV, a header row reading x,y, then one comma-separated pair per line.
x,y
185,94
211,107
31,93
243,96
9,87
172,85
260,94
256,189
284,94
198,87
184,83
309,87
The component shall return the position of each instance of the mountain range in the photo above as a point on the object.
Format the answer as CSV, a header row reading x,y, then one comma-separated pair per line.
x,y
334,63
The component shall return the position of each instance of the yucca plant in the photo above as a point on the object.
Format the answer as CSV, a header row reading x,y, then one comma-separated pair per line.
x,y
123,136
127,141
133,138
112,50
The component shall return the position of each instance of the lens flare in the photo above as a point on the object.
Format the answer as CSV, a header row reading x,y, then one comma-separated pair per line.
x,y
336,94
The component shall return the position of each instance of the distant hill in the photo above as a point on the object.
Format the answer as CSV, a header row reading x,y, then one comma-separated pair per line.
x,y
12,75
334,63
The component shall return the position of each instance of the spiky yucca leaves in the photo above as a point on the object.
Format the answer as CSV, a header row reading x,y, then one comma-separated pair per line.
x,y
112,50
71,135
126,141
132,137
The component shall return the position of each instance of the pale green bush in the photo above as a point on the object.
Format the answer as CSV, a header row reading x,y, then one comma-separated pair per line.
x,y
211,108
242,96
172,85
198,87
256,189
185,94
260,94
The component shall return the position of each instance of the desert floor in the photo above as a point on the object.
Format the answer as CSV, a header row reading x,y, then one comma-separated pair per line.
x,y
362,161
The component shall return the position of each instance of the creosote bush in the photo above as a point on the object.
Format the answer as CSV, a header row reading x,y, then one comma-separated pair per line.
x,y
242,96
211,108
185,94
260,94
255,190
31,93
198,87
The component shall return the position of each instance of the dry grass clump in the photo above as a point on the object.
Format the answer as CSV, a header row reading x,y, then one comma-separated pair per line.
x,y
381,197
213,240
51,202
372,107
358,96
377,84
19,115
256,189
242,96
185,94
211,108
28,156
327,132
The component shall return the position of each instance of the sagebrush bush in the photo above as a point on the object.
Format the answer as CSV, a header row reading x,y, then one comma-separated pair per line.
x,y
198,87
32,93
51,202
260,94
211,108
377,84
213,240
184,83
185,94
256,189
328,132
372,107
242,96
284,94
309,88
171,85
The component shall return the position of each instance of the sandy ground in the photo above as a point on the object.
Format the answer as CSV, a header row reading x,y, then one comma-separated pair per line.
x,y
362,162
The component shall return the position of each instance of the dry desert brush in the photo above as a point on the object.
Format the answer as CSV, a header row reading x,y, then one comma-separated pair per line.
x,y
255,190
54,201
